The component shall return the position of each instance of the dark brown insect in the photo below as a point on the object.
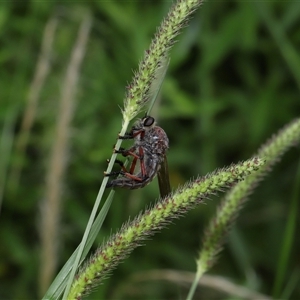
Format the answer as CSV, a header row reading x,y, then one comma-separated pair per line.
x,y
149,154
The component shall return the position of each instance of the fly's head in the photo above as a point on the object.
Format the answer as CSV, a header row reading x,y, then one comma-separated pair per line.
x,y
148,123
142,126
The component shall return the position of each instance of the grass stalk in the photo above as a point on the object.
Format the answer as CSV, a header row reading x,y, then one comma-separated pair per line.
x,y
183,278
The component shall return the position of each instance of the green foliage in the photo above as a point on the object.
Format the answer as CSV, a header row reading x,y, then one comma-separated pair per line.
x,y
232,82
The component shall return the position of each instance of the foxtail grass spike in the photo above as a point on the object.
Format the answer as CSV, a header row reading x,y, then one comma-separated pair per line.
x,y
153,219
139,90
233,201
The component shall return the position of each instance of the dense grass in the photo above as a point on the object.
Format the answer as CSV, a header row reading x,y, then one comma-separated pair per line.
x,y
233,81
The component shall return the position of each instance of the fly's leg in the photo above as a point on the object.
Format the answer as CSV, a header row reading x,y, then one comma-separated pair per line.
x,y
124,172
126,136
139,156
142,162
130,135
132,152
115,173
133,164
119,162
126,152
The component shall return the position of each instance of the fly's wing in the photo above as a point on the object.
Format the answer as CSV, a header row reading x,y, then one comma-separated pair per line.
x,y
157,82
163,173
163,178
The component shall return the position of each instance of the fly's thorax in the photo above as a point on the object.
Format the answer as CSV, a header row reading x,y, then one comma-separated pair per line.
x,y
156,141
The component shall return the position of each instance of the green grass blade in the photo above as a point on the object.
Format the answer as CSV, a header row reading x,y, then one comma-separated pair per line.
x,y
59,284
93,215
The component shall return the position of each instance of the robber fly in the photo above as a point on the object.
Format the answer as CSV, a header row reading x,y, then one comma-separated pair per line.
x,y
149,154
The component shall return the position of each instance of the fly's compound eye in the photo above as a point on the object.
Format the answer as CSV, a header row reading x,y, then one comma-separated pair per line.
x,y
148,121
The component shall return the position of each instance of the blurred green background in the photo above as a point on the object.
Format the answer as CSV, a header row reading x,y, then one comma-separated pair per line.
x,y
233,81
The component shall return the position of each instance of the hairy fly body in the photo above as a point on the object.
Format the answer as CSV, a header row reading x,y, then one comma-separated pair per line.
x,y
148,152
